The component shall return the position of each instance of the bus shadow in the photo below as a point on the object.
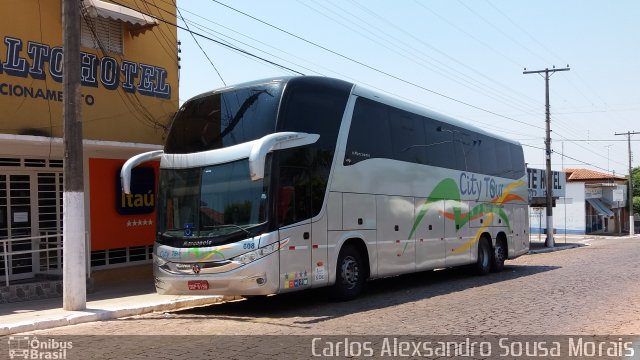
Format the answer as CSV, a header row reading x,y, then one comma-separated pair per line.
x,y
318,305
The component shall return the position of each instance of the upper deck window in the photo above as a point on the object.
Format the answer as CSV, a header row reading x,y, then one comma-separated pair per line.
x,y
223,119
381,131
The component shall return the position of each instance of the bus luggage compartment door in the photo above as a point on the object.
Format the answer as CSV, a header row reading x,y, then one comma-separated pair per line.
x,y
429,234
396,252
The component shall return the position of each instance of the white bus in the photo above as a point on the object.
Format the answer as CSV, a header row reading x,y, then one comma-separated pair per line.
x,y
302,182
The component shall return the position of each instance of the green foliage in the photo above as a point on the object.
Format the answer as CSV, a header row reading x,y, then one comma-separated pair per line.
x,y
636,204
636,181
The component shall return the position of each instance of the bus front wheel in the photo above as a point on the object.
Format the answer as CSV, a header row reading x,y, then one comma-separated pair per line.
x,y
483,264
350,274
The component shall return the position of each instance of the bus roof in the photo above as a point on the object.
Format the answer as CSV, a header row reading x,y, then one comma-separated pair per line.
x,y
365,92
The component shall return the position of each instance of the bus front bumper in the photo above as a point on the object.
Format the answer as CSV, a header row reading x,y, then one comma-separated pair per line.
x,y
256,278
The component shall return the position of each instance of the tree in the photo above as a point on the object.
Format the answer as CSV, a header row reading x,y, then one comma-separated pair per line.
x,y
636,189
636,181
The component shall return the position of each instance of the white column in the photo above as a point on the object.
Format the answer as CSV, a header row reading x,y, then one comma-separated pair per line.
x,y
550,241
74,270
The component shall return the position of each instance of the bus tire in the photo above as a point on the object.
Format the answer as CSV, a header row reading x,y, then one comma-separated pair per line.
x,y
350,274
499,256
483,264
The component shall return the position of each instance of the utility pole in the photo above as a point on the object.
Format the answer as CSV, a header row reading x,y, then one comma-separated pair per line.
x,y
549,176
74,271
630,191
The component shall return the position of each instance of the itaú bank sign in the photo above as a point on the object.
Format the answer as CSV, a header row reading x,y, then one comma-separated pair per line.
x,y
37,60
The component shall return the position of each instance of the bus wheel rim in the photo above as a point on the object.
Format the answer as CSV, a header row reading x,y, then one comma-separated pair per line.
x,y
500,254
350,272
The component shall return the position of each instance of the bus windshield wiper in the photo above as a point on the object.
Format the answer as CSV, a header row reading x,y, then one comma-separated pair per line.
x,y
228,225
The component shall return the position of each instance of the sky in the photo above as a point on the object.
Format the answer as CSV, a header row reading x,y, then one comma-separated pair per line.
x,y
461,58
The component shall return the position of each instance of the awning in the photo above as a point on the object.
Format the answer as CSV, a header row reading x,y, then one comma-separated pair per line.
x,y
103,9
600,207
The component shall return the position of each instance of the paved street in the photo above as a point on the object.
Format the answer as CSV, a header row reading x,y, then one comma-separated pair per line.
x,y
588,290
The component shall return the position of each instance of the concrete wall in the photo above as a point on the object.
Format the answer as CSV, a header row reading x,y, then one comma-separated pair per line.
x,y
607,196
568,215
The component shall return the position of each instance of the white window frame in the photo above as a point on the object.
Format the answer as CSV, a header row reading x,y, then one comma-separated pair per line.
x,y
109,34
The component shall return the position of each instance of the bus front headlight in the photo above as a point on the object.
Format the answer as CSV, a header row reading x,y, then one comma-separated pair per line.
x,y
159,261
254,255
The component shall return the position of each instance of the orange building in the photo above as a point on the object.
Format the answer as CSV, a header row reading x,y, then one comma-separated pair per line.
x,y
129,60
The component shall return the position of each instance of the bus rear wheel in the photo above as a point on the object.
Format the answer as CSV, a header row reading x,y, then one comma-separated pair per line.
x,y
499,256
350,274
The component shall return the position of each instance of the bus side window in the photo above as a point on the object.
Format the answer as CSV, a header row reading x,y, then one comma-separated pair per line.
x,y
407,137
285,195
369,135
294,196
439,140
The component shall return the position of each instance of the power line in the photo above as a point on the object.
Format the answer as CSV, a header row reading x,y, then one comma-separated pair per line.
x,y
567,156
373,68
559,123
165,44
139,108
515,24
500,30
212,40
588,140
211,32
244,52
329,50
519,43
451,58
200,46
221,36
408,51
468,34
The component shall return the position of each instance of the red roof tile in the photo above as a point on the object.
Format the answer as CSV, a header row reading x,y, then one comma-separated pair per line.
x,y
586,174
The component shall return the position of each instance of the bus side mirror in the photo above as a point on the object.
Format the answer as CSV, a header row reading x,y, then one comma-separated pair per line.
x,y
277,141
125,172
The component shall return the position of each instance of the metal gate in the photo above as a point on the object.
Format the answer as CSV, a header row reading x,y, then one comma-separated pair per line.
x,y
15,223
30,223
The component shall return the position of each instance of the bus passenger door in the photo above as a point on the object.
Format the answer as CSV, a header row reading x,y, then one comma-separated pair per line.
x,y
429,234
293,211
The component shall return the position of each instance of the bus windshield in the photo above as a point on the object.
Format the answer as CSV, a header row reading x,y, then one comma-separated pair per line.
x,y
203,206
222,119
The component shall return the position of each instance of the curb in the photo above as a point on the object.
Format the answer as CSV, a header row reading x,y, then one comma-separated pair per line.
x,y
556,248
79,317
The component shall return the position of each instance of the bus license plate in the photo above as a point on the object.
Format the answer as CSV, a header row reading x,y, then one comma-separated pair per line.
x,y
198,285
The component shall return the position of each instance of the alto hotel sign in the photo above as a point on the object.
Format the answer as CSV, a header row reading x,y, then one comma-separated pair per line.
x,y
31,59
537,178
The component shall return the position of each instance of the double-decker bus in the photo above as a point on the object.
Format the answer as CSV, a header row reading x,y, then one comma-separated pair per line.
x,y
302,182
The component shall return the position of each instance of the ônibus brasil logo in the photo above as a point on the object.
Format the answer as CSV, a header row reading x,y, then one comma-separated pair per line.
x,y
26,347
